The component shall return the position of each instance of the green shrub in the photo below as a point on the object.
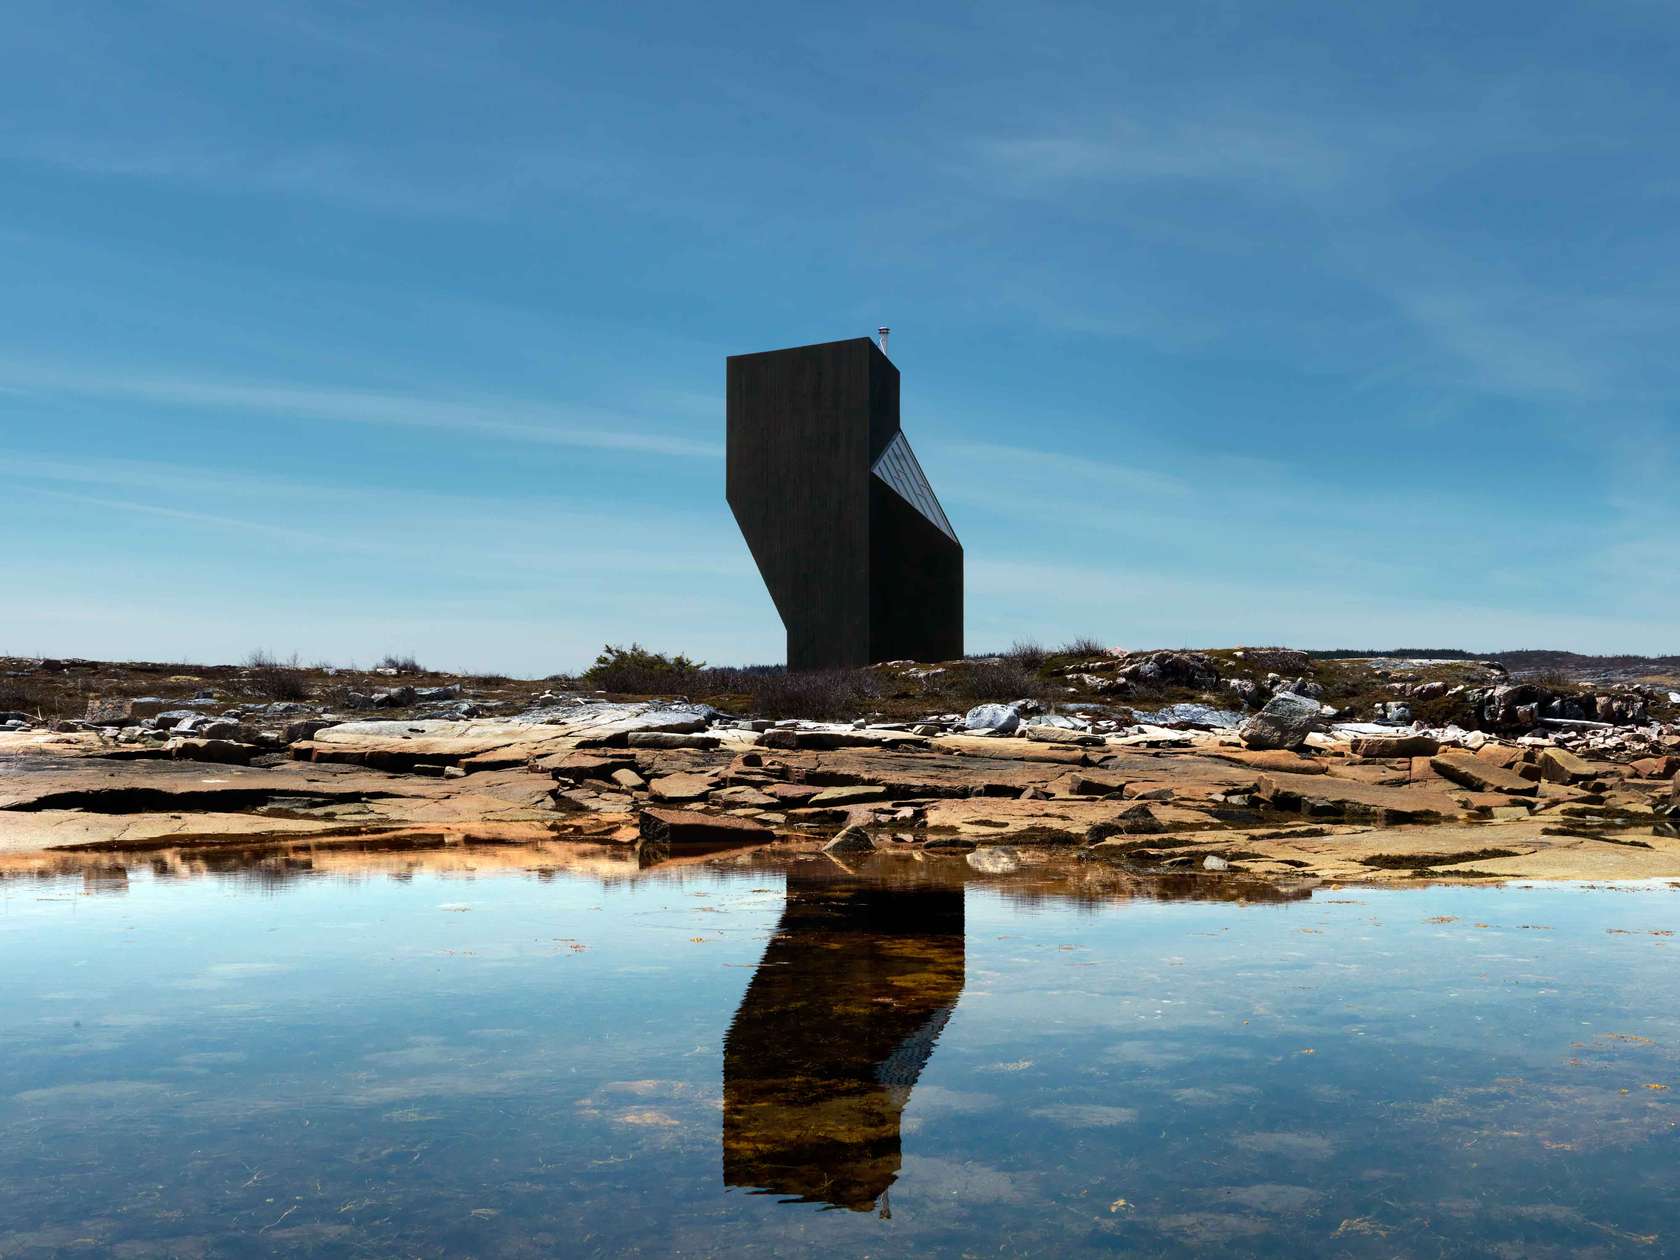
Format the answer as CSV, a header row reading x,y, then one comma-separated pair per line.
x,y
634,670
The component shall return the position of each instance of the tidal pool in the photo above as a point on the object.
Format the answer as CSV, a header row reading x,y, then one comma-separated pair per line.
x,y
789,1057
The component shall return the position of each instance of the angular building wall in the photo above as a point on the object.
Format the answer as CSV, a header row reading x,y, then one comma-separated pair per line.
x,y
857,554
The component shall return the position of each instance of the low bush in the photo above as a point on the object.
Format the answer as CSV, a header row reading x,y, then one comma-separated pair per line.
x,y
270,678
1085,645
40,698
1002,679
402,664
634,670
1027,653
774,692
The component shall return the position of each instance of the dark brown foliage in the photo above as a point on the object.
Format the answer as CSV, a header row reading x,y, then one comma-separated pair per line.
x,y
269,678
774,692
1084,646
1002,679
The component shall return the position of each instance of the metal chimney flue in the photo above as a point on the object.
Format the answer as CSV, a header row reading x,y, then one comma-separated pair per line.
x,y
883,330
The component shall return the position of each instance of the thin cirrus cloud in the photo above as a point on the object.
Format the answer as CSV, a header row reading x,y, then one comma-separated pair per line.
x,y
504,419
1191,150
427,527
477,184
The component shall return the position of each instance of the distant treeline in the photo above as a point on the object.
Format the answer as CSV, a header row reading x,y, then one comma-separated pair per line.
x,y
1526,661
1430,654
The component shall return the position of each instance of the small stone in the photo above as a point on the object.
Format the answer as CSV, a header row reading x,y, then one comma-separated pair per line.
x,y
1213,862
628,779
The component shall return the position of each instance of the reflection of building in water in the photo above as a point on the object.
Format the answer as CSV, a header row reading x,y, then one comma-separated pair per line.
x,y
838,1022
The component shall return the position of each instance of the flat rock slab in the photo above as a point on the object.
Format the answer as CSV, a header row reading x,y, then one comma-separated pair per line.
x,y
1063,735
1386,747
51,743
1325,796
1065,821
853,794
400,745
74,829
681,787
679,828
103,786
951,793
818,741
1010,749
1482,774
1275,759
1502,850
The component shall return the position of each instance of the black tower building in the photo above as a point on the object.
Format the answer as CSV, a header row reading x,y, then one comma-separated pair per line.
x,y
858,555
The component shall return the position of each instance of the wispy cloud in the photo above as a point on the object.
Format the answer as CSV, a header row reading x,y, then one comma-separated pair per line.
x,y
1542,342
509,420
1209,149
978,465
480,182
218,520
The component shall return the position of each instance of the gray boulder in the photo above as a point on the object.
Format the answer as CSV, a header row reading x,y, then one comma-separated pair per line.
x,y
304,728
1005,719
1285,722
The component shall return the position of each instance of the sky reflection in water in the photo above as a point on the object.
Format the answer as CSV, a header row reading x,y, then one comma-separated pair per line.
x,y
799,1059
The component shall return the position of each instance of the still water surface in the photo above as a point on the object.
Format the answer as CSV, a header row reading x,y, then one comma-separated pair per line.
x,y
791,1059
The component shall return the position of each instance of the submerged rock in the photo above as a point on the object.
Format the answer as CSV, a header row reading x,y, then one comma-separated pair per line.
x,y
850,840
994,861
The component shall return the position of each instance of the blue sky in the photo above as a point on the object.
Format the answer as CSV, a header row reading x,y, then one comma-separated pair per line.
x,y
346,329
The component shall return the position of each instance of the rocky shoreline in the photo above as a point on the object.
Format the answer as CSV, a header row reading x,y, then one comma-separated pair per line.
x,y
1278,787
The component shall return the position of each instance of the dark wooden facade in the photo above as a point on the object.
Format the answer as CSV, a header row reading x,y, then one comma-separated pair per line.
x,y
858,572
